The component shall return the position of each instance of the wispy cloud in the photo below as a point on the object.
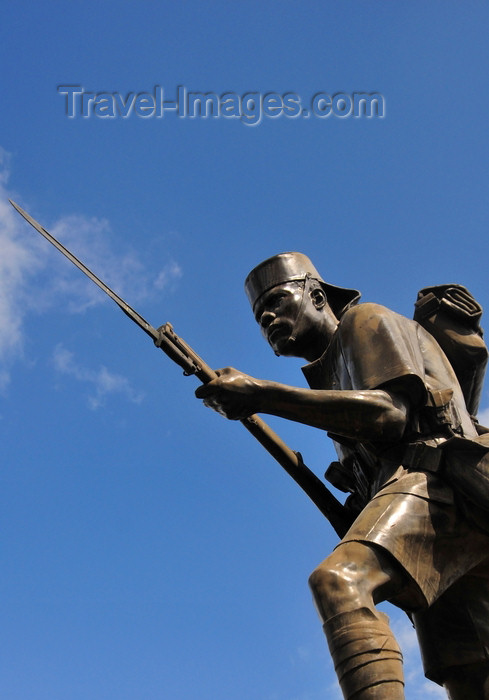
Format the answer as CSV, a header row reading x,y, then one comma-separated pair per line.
x,y
102,382
18,262
168,275
93,242
34,277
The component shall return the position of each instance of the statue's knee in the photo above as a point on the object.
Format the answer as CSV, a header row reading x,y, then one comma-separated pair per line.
x,y
318,580
329,582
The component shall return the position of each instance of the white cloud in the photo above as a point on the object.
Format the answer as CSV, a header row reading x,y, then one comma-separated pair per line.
x,y
92,241
102,382
433,690
18,262
483,417
34,277
168,275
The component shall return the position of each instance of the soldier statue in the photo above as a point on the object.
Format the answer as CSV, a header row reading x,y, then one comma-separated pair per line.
x,y
389,398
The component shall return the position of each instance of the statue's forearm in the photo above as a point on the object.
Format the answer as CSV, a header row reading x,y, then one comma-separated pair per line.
x,y
372,415
362,415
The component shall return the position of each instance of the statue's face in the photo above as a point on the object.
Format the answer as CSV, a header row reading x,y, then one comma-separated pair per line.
x,y
292,322
277,312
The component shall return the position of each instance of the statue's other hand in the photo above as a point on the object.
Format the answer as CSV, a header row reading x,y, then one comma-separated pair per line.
x,y
233,394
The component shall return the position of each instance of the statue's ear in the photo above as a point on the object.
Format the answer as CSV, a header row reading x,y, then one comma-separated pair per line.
x,y
318,298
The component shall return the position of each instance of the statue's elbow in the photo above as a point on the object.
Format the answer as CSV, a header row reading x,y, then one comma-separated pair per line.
x,y
393,416
393,424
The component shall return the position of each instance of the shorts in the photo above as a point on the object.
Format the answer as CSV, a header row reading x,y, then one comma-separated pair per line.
x,y
416,519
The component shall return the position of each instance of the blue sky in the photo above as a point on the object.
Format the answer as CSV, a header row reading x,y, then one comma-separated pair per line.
x,y
152,550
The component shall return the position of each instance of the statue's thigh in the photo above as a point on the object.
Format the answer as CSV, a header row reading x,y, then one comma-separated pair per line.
x,y
430,540
453,632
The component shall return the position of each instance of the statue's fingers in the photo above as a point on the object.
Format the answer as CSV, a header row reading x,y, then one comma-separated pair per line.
x,y
204,391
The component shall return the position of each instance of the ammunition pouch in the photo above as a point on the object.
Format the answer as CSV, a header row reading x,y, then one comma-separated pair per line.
x,y
466,468
420,456
340,476
464,464
439,415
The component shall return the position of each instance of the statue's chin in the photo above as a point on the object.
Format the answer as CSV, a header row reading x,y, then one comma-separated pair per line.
x,y
285,346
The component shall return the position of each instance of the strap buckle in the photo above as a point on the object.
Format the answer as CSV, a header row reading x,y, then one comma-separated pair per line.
x,y
423,457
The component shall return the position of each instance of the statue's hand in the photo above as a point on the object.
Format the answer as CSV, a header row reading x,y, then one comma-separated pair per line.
x,y
232,394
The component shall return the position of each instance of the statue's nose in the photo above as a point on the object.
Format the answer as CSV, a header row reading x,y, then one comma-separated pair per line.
x,y
266,318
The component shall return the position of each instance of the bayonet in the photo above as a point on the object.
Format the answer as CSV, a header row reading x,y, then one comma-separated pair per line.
x,y
177,349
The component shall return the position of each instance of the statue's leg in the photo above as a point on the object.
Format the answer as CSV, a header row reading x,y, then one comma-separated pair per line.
x,y
469,682
346,587
453,635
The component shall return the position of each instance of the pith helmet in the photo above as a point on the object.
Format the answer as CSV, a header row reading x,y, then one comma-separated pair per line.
x,y
289,267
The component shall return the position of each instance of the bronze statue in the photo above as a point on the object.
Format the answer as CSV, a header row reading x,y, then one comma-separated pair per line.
x,y
390,399
415,527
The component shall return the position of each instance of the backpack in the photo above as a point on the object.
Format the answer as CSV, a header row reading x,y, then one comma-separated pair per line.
x,y
452,316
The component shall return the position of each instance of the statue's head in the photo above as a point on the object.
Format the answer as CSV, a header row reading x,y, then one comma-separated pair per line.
x,y
293,304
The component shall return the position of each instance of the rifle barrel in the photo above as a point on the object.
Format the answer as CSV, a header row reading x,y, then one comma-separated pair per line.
x,y
177,350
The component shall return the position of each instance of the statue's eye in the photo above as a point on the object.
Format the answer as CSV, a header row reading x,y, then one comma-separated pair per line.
x,y
270,304
276,299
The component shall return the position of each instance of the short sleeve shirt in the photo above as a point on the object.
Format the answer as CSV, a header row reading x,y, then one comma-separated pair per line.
x,y
376,348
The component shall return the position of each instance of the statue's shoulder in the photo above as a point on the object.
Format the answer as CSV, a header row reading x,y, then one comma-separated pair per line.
x,y
371,323
368,313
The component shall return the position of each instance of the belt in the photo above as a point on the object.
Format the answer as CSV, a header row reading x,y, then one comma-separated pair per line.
x,y
417,455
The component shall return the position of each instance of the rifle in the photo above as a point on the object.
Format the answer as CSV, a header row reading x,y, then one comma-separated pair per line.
x,y
177,350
